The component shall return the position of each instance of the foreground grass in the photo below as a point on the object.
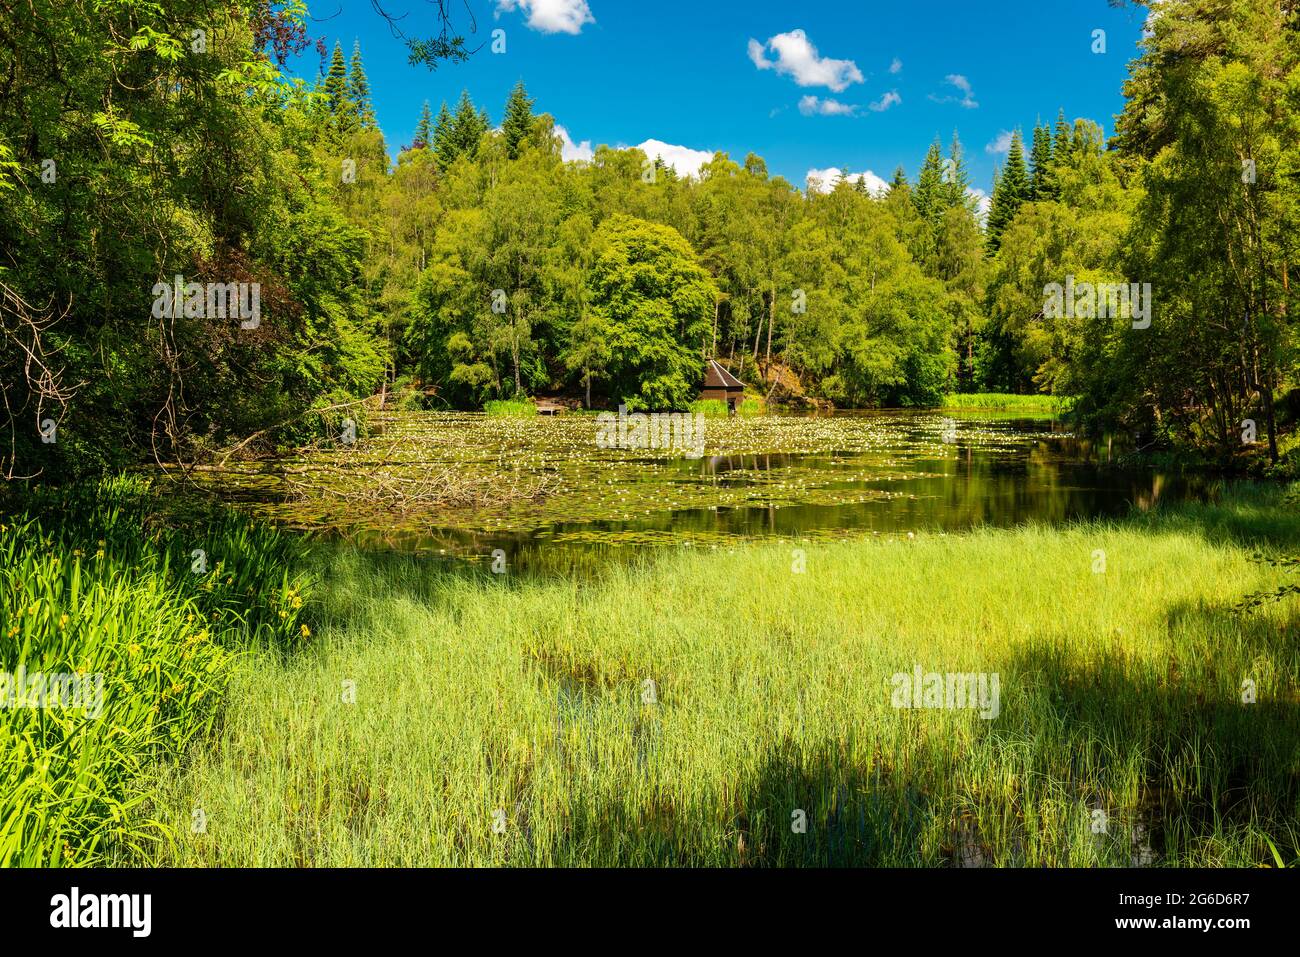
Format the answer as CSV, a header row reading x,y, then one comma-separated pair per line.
x,y
999,401
510,722
117,646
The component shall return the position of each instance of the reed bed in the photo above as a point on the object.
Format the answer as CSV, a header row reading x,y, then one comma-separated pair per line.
x,y
1006,402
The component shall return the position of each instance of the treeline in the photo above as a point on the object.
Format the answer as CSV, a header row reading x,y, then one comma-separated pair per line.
x,y
483,266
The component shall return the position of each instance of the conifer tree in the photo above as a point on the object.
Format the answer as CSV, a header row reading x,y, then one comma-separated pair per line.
x,y
467,127
929,195
336,86
1061,142
359,87
424,129
518,120
899,181
956,192
444,141
1041,159
1011,192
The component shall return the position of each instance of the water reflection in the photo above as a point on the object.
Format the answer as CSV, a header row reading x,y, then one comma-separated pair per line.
x,y
930,472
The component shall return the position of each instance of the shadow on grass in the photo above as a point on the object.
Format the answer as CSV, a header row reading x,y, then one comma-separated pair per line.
x,y
1213,768
799,808
1249,515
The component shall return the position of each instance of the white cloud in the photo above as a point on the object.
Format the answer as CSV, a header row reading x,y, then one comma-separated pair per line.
x,y
798,58
685,161
813,106
551,16
885,102
824,180
896,66
1000,144
967,98
570,151
984,200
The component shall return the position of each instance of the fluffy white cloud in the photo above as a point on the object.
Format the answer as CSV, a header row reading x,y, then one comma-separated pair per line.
x,y
1000,144
896,66
824,180
885,102
984,200
569,150
685,161
813,106
967,98
551,16
798,58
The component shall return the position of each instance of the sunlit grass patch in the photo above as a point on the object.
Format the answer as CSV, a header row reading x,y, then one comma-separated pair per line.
x,y
717,409
510,408
682,711
999,401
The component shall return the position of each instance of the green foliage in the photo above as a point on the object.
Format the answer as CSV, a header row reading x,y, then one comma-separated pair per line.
x,y
1004,402
717,409
1012,190
424,129
156,605
510,408
651,301
481,263
518,121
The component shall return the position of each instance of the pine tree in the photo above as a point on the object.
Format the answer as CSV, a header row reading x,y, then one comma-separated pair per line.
x,y
424,129
359,87
444,138
1041,158
336,87
1061,143
518,121
1011,192
899,181
956,192
468,126
929,195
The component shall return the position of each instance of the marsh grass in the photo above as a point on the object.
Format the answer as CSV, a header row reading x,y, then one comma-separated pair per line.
x,y
717,409
1006,402
510,409
475,694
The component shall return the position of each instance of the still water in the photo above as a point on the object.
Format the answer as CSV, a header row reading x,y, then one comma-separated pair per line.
x,y
785,477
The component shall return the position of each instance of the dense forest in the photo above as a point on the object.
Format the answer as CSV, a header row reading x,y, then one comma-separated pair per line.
x,y
139,152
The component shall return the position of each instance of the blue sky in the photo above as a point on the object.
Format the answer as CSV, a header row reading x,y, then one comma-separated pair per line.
x,y
852,86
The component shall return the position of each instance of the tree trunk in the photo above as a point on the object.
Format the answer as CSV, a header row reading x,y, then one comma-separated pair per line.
x,y
771,321
1272,425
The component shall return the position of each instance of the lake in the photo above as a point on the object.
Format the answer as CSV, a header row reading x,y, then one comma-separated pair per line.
x,y
543,490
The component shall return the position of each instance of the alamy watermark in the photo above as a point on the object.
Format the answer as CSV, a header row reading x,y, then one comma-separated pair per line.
x,y
1103,300
56,690
213,300
676,431
934,689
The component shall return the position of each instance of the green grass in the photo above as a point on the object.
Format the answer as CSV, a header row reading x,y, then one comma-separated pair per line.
x,y
480,698
103,585
717,409
999,401
510,408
